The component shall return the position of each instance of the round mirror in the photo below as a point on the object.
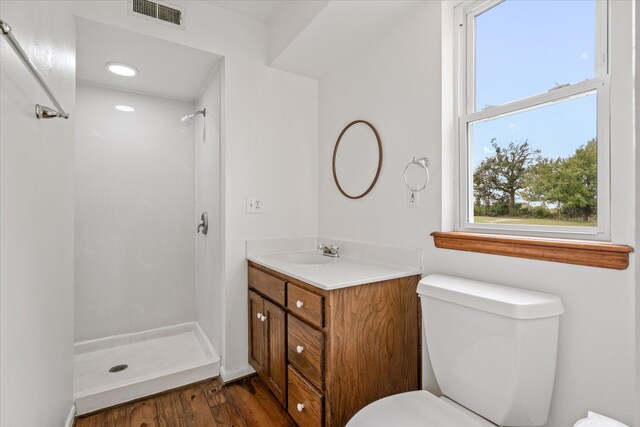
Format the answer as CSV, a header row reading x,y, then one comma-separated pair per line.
x,y
357,159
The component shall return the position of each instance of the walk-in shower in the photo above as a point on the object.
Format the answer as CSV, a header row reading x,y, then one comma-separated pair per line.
x,y
147,286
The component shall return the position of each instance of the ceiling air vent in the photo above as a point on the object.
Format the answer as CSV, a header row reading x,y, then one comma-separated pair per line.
x,y
157,11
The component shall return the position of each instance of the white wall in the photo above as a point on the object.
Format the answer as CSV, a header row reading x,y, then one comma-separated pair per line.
x,y
269,144
135,203
397,84
36,224
290,21
208,183
273,156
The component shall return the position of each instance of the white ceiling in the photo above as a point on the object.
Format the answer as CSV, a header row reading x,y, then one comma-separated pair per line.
x,y
164,68
260,10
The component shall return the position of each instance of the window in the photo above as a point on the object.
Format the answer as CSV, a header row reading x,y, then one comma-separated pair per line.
x,y
533,112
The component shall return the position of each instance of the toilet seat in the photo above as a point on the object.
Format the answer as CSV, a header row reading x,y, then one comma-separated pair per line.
x,y
414,409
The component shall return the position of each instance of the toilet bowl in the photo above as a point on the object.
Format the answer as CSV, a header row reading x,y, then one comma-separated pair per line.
x,y
416,408
493,350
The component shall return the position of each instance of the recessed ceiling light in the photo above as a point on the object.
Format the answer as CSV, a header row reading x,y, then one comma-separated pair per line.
x,y
125,108
122,69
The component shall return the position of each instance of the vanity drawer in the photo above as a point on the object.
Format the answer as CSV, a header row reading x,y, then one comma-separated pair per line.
x,y
306,304
305,403
266,284
305,350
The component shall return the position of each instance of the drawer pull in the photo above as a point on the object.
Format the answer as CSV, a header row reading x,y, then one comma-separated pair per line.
x,y
299,304
259,316
300,407
299,349
263,318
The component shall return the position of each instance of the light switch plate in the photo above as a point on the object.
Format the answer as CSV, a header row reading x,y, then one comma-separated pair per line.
x,y
254,205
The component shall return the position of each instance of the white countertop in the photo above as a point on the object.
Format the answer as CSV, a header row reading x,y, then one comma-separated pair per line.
x,y
338,273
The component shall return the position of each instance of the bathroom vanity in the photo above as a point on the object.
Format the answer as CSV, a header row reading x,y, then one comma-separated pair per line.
x,y
327,342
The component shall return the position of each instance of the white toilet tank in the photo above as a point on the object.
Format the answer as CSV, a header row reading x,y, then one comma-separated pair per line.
x,y
493,348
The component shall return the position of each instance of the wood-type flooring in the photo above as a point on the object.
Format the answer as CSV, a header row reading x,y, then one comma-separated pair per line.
x,y
244,403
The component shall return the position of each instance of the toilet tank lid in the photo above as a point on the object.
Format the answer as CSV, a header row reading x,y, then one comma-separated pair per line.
x,y
502,300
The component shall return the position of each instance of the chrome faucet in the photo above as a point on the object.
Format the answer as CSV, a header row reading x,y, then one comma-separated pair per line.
x,y
330,250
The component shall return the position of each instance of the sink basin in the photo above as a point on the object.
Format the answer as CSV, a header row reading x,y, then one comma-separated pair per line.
x,y
310,258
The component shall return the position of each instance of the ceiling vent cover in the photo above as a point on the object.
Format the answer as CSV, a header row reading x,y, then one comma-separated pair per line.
x,y
157,11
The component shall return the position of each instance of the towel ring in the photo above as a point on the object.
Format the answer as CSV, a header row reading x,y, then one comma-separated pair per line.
x,y
422,162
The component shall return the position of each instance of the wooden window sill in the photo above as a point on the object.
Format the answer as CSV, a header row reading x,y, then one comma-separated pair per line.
x,y
580,252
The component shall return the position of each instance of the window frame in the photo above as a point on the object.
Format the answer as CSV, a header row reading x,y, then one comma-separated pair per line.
x,y
465,114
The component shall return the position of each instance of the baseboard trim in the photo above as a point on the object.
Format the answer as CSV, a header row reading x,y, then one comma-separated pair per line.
x,y
234,374
71,417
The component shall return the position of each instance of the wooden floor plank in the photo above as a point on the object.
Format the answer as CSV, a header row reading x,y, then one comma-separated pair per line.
x,y
120,416
214,392
96,420
246,403
213,383
170,413
142,414
271,404
196,408
256,404
249,408
227,415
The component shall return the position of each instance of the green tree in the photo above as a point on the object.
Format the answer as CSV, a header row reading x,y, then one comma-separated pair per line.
x,y
542,182
505,172
484,189
578,181
570,183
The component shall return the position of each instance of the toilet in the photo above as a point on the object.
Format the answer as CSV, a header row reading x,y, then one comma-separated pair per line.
x,y
493,350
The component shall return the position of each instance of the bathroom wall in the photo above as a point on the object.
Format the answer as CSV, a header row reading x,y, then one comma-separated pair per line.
x,y
208,197
36,224
135,203
275,159
269,146
402,83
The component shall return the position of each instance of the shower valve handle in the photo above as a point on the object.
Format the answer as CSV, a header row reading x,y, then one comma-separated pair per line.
x,y
204,224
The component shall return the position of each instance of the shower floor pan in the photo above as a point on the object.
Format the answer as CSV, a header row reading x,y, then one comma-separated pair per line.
x,y
157,360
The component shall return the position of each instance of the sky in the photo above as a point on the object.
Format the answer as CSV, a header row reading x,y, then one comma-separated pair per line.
x,y
524,48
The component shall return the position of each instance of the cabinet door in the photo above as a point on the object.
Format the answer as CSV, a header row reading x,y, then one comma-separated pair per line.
x,y
257,321
275,350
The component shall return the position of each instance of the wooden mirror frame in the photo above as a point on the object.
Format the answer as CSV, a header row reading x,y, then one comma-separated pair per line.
x,y
335,152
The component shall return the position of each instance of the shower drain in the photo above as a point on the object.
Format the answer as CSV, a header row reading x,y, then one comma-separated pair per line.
x,y
118,368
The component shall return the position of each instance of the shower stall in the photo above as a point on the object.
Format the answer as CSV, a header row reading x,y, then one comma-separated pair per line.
x,y
147,276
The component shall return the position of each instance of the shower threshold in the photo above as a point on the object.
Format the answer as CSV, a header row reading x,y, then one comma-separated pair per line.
x,y
156,360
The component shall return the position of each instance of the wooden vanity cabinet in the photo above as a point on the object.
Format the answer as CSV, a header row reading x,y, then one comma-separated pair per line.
x,y
267,343
257,348
333,352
